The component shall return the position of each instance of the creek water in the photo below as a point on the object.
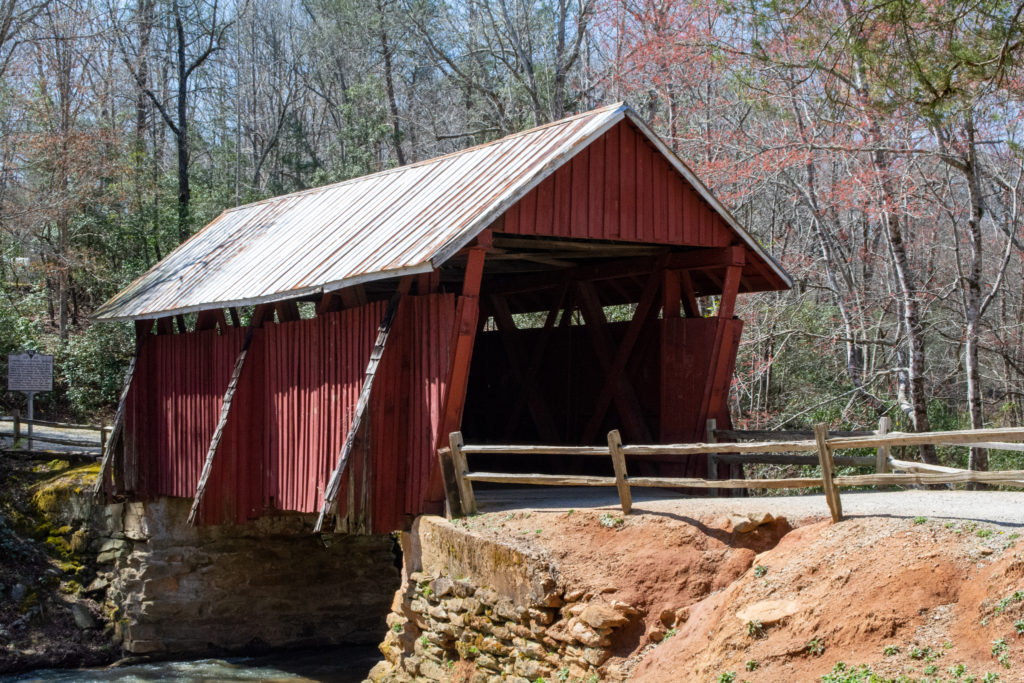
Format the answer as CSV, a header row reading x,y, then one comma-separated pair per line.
x,y
339,664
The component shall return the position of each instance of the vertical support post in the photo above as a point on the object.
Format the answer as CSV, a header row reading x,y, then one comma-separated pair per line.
x,y
452,498
827,467
467,313
709,437
882,452
461,470
31,415
619,464
103,435
17,428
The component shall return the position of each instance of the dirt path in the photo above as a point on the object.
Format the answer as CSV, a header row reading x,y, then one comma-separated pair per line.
x,y
999,508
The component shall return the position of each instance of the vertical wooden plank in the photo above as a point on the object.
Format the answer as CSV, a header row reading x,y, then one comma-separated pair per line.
x,y
691,218
528,213
580,193
612,170
562,210
653,232
660,191
827,466
627,186
690,306
619,465
456,443
596,192
545,212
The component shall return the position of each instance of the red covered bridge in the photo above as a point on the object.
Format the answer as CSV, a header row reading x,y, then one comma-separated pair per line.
x,y
471,292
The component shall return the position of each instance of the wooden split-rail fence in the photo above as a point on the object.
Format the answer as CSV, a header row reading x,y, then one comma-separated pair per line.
x,y
459,478
23,437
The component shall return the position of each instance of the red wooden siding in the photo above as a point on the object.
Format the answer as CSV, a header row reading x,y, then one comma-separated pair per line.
x,y
618,188
291,414
687,352
172,409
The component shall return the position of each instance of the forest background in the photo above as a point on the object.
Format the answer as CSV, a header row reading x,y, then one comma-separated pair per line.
x,y
873,146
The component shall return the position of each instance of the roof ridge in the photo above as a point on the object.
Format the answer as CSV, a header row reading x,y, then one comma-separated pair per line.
x,y
298,193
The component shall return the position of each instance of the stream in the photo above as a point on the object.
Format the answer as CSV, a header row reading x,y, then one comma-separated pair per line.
x,y
337,664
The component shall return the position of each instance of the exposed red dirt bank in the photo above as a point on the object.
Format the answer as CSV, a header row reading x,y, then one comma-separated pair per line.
x,y
716,601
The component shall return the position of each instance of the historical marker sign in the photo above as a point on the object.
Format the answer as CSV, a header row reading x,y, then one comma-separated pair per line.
x,y
29,372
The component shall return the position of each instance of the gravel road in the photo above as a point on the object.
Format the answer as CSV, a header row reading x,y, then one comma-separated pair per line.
x,y
999,508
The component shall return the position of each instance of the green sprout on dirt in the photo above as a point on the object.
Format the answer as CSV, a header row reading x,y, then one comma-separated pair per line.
x,y
891,650
957,670
990,677
752,665
1018,626
1001,606
726,677
816,647
931,670
563,674
1000,650
755,629
669,633
760,570
920,520
921,653
397,628
610,521
984,533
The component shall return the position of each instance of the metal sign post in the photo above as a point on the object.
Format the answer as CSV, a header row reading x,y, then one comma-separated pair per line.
x,y
30,372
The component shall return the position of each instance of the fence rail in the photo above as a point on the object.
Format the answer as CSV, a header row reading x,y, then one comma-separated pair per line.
x,y
21,428
459,479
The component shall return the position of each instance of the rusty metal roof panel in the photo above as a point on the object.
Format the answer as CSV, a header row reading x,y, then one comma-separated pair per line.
x,y
400,221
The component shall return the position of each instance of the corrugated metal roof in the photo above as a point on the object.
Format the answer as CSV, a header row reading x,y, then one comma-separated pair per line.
x,y
397,222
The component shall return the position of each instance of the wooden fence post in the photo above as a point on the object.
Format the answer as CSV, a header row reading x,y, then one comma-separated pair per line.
x,y
450,477
17,427
103,436
619,464
710,426
825,458
882,452
461,469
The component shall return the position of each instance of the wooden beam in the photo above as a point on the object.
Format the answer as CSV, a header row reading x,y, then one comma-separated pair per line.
x,y
461,470
117,428
208,319
645,309
535,400
236,320
625,398
695,259
164,326
222,420
287,311
467,312
536,362
731,287
619,466
690,305
329,303
671,294
334,484
835,506
182,327
353,297
428,283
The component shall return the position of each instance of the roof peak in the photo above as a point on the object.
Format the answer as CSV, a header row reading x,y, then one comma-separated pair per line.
x,y
615,107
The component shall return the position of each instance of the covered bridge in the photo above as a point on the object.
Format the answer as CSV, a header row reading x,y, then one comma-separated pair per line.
x,y
542,288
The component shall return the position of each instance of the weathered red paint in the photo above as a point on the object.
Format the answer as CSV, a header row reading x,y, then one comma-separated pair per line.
x,y
291,413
